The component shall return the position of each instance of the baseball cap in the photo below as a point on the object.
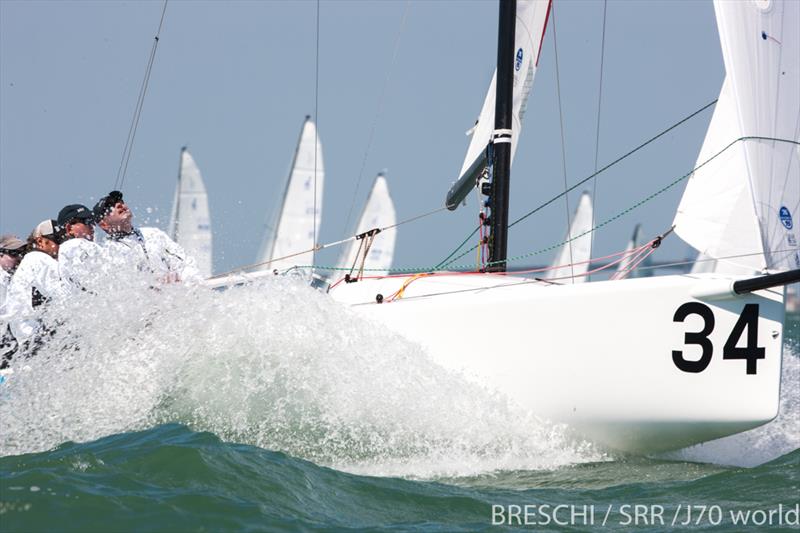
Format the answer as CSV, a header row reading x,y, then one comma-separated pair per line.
x,y
48,229
74,212
106,204
11,244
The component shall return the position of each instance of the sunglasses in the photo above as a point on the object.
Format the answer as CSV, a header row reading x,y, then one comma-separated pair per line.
x,y
12,253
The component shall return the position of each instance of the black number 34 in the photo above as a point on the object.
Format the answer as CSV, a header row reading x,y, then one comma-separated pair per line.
x,y
748,320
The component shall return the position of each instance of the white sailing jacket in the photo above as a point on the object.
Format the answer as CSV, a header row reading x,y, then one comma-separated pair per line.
x,y
37,271
151,248
78,263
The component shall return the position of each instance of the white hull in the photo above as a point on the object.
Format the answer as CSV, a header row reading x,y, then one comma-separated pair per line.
x,y
598,356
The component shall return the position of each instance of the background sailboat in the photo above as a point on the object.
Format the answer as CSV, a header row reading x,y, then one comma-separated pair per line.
x,y
577,253
378,212
190,224
295,224
626,266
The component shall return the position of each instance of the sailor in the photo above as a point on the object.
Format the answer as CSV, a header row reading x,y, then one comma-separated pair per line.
x,y
11,251
35,281
78,256
148,248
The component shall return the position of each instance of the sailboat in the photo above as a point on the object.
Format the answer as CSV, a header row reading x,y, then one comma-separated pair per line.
x,y
373,254
627,266
572,262
289,239
190,224
640,365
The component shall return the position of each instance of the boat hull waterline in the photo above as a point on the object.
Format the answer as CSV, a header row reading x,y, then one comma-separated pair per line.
x,y
638,365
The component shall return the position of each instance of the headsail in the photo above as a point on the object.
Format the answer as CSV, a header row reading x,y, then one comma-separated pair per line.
x,y
716,214
296,222
761,98
379,213
190,224
577,252
532,18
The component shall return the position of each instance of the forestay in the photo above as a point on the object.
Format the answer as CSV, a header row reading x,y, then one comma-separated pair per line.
x,y
747,201
190,224
529,34
298,216
378,213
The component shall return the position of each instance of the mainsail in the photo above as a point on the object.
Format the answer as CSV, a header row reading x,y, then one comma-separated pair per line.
x,y
378,213
741,208
190,225
576,253
528,37
296,222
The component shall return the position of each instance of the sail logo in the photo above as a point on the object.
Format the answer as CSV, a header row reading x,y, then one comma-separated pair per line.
x,y
518,62
786,217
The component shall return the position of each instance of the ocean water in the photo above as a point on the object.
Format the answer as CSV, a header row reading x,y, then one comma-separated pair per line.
x,y
269,407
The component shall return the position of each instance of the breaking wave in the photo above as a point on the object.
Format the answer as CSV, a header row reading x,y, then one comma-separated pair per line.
x,y
273,364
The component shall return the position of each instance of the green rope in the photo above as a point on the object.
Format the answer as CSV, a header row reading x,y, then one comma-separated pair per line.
x,y
444,262
619,215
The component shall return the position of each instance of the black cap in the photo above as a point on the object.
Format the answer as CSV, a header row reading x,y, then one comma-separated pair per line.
x,y
74,212
106,204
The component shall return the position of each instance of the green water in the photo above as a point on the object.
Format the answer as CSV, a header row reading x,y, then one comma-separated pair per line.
x,y
170,478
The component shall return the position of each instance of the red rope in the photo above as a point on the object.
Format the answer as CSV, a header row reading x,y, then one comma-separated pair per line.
x,y
637,255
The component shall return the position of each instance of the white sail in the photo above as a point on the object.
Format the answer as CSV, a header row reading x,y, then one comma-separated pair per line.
x,y
761,49
528,37
297,224
577,252
190,224
634,242
378,212
716,214
703,264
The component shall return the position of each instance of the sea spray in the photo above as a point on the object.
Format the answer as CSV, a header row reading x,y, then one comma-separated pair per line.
x,y
275,364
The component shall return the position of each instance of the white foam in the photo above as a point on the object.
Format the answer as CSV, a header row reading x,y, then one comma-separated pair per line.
x,y
275,364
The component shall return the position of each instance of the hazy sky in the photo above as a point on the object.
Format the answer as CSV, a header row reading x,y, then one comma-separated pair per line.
x,y
234,80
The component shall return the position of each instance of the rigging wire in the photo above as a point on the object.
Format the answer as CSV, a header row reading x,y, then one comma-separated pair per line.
x,y
316,133
378,112
597,130
563,144
137,112
619,159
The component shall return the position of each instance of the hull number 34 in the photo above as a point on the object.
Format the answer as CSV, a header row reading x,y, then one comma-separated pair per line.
x,y
748,321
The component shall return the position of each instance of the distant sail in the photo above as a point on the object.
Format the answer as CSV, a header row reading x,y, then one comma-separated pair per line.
x,y
578,250
761,49
296,222
378,212
532,18
635,242
190,224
